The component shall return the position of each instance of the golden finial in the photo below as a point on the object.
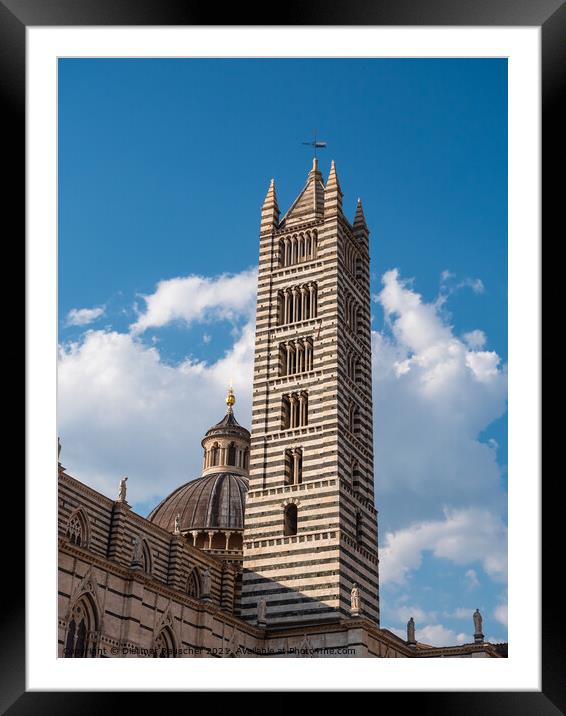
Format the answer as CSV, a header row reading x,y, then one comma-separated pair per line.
x,y
230,398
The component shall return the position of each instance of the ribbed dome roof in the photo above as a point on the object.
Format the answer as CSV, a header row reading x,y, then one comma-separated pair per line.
x,y
213,501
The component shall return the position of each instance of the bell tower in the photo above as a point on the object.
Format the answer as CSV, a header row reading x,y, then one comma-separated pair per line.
x,y
310,532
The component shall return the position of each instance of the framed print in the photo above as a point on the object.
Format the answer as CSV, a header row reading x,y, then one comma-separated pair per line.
x,y
267,364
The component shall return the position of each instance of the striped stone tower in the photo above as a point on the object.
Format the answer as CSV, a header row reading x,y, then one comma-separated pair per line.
x,y
310,532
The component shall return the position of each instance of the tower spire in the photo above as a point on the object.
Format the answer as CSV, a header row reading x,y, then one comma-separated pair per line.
x,y
332,192
270,208
360,226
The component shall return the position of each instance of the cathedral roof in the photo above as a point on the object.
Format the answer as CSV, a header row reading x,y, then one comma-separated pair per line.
x,y
214,501
310,202
228,426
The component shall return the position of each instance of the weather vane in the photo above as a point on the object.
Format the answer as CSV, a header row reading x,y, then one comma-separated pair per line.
x,y
315,143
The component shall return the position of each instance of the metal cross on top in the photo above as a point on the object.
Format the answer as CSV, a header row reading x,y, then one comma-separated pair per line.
x,y
315,143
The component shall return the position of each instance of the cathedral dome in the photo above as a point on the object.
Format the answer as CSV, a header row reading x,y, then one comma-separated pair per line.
x,y
228,426
215,501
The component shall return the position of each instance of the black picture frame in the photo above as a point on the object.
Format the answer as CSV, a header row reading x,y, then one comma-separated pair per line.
x,y
15,16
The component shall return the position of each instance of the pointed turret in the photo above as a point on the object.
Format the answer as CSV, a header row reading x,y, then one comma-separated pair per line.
x,y
332,193
361,230
309,204
270,209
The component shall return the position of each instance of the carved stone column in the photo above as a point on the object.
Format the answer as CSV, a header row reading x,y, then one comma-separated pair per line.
x,y
311,301
294,406
227,534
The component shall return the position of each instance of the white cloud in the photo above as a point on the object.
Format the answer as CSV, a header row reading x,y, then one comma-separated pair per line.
x,y
475,339
501,614
198,299
434,635
439,635
123,411
434,394
476,284
84,316
472,580
403,612
461,613
463,537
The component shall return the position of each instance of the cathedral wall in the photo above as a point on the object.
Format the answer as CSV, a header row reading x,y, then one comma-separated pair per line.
x,y
133,611
131,585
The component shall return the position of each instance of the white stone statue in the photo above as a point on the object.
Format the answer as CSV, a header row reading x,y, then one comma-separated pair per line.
x,y
355,599
177,524
205,583
478,622
411,631
122,490
261,611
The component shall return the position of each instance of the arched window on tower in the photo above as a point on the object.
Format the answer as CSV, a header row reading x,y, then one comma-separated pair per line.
x,y
282,362
285,412
355,474
297,466
280,308
290,516
314,242
293,466
288,467
353,419
80,640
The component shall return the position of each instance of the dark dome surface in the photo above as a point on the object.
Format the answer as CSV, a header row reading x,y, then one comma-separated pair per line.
x,y
214,501
228,426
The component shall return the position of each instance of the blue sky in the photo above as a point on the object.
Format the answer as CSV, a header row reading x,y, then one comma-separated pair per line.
x,y
163,165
